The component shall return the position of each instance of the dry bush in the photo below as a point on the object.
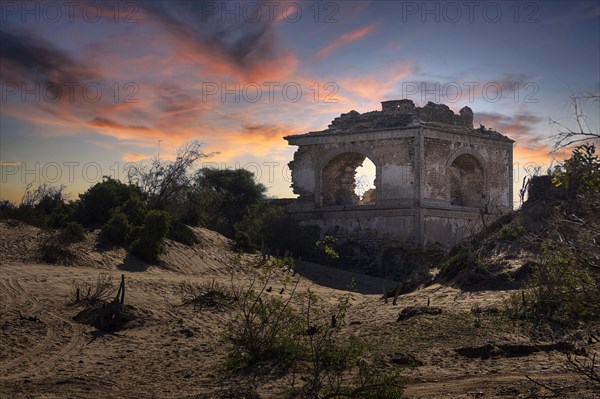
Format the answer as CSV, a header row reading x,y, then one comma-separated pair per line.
x,y
585,365
209,295
54,250
100,290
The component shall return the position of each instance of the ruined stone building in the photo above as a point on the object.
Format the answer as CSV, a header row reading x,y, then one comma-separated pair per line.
x,y
435,175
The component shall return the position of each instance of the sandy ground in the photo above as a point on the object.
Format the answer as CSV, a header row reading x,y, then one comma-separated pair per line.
x,y
178,351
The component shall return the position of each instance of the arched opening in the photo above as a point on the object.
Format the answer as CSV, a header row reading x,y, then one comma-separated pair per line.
x,y
348,179
467,181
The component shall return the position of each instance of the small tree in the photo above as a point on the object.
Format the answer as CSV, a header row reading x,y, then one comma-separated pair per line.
x,y
227,196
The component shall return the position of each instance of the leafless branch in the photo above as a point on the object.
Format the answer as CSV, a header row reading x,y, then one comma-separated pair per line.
x,y
163,181
32,196
567,136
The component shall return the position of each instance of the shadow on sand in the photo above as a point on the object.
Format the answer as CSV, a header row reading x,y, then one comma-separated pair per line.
x,y
340,279
132,264
94,335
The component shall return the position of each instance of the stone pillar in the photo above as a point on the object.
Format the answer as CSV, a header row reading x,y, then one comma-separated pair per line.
x,y
467,116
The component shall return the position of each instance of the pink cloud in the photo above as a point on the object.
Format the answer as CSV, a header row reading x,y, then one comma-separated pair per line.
x,y
343,40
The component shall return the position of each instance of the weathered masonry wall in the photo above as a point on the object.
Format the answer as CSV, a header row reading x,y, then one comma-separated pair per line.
x,y
435,175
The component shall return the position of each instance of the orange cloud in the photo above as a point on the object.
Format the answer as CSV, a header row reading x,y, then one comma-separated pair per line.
x,y
343,40
376,87
538,155
258,139
103,122
134,157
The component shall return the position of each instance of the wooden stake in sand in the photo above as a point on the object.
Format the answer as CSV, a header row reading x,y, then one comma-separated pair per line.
x,y
120,298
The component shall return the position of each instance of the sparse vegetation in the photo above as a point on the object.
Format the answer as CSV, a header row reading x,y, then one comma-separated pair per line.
x,y
266,326
462,259
304,336
164,183
566,136
585,365
54,250
565,283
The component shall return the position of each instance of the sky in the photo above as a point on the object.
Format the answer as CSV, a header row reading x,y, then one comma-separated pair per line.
x,y
89,87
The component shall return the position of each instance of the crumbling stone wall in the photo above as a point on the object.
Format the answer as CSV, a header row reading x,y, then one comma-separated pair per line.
x,y
397,172
467,185
435,174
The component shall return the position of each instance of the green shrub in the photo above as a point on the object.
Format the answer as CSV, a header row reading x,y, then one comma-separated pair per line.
x,y
257,225
579,174
73,232
7,210
53,212
561,289
149,245
181,233
44,206
267,222
266,328
244,242
96,204
461,260
117,229
135,210
326,249
512,230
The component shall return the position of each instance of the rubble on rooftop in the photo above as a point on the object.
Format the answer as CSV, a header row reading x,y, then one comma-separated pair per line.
x,y
404,114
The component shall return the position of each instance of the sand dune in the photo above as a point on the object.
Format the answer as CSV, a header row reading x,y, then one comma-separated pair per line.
x,y
177,351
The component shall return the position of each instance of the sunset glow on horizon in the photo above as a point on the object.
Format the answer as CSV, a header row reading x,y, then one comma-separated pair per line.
x,y
88,86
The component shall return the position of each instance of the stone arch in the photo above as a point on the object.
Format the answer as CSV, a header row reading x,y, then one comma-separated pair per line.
x,y
467,178
336,174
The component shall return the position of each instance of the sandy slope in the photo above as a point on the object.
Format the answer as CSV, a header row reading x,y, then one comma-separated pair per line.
x,y
178,351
